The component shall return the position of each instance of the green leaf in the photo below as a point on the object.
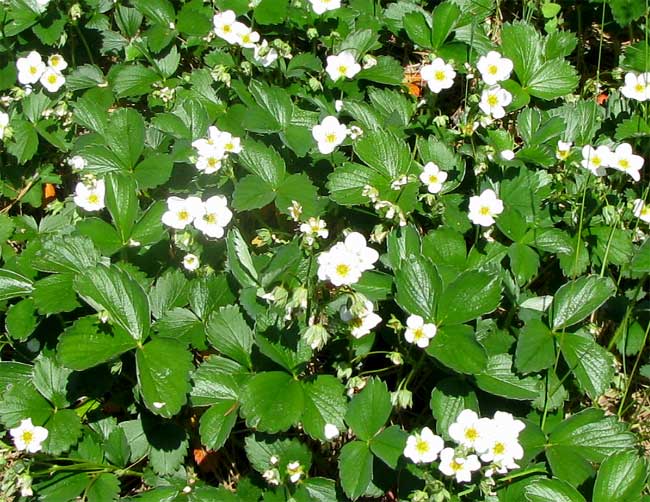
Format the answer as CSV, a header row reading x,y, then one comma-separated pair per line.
x,y
524,262
470,296
577,299
103,235
154,171
418,287
300,188
387,71
621,478
69,254
22,400
134,80
125,136
87,343
347,183
271,11
535,347
240,262
369,409
112,290
641,261
448,398
521,43
389,445
444,16
163,374
252,192
456,347
592,364
55,293
383,152
209,293
24,142
103,488
553,79
122,202
272,401
12,284
355,468
545,490
217,423
64,430
325,403
149,228
274,100
168,445
498,379
21,320
418,29
51,380
228,332
217,379
263,161
85,76
160,11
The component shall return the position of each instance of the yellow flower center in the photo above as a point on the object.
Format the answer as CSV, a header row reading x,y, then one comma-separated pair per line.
x,y
357,322
492,69
499,449
418,334
484,211
51,79
563,154
421,446
623,163
439,75
212,162
183,215
645,211
639,88
493,100
330,138
471,434
342,269
27,436
211,218
33,70
226,28
596,161
455,466
246,38
229,147
93,198
433,178
343,69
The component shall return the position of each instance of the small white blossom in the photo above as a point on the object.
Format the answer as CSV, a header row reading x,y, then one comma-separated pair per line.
x,y
265,55
246,37
331,432
28,437
30,68
363,322
343,65
433,177
507,155
191,262
210,163
423,448
338,105
77,163
460,467
57,63
4,122
623,159
90,196
355,132
419,332
642,210
369,61
295,471
314,227
215,217
295,210
471,431
493,101
182,212
637,87
494,68
272,477
52,80
329,134
223,26
596,159
438,75
321,6
563,150
483,208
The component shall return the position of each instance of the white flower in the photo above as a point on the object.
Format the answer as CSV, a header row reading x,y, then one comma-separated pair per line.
x,y
461,467
191,262
637,87
182,212
642,210
90,196
265,55
344,65
471,431
215,217
295,471
423,447
338,105
223,26
507,155
320,6
433,177
210,163
230,143
369,61
623,159
419,332
77,163
315,227
331,432
28,437
438,75
329,134
272,477
4,122
563,149
245,36
483,208
503,446
493,101
344,263
30,68
57,63
494,68
596,159
52,80
355,132
363,322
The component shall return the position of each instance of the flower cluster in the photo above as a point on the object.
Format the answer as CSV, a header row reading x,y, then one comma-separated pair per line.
x,y
32,69
344,263
235,32
89,194
622,159
294,470
637,87
209,217
214,149
28,437
495,441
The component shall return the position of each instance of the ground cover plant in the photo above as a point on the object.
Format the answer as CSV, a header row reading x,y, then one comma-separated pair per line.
x,y
321,250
